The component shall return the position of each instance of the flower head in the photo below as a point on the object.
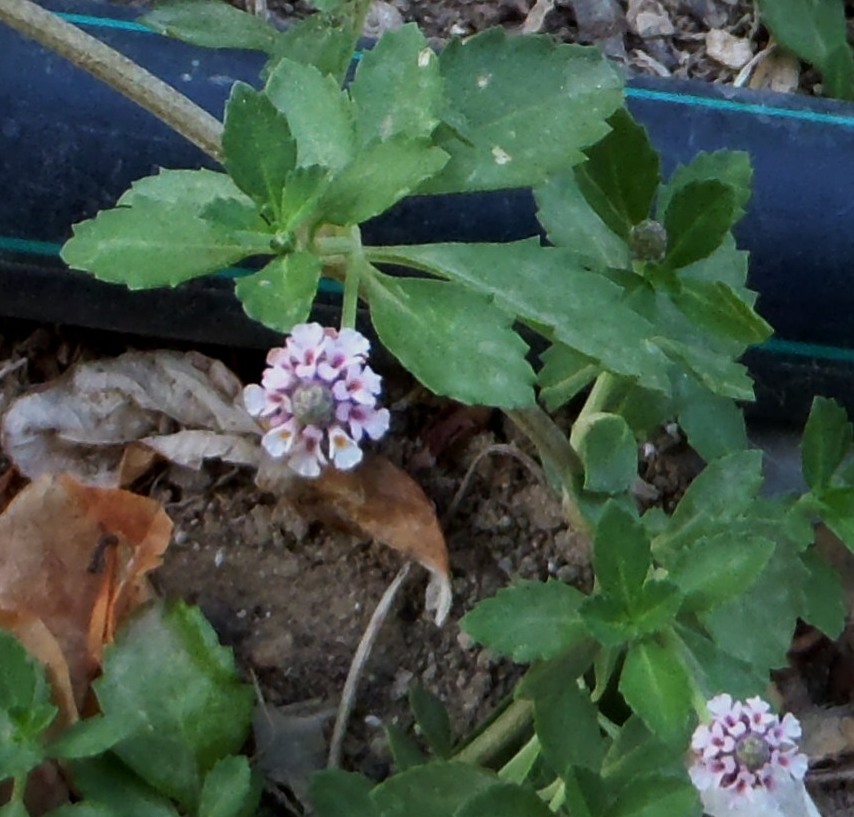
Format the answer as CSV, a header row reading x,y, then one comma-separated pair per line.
x,y
317,399
746,759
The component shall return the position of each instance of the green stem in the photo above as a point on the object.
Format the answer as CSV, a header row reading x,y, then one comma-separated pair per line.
x,y
555,453
122,74
511,726
350,301
603,389
519,766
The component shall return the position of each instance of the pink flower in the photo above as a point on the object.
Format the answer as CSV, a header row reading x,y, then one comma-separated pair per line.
x,y
317,399
746,760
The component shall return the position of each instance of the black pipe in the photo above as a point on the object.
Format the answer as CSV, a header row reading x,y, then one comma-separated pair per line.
x,y
70,146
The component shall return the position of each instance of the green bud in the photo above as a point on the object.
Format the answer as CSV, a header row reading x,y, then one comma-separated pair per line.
x,y
282,242
648,241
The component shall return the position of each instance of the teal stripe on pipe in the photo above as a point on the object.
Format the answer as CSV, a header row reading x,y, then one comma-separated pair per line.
x,y
105,22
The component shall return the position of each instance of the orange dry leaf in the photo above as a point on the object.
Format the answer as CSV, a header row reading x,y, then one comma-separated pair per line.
x,y
75,558
379,500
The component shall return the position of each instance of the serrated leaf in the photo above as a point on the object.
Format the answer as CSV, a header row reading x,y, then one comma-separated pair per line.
x,y
637,753
729,167
816,31
453,340
717,372
570,221
432,790
727,264
716,568
548,678
662,797
608,450
621,175
335,793
193,708
621,554
615,623
563,375
397,90
836,508
526,107
192,190
318,112
92,736
657,687
758,626
568,729
230,789
380,175
259,150
153,245
432,719
282,293
697,219
529,621
211,24
316,40
713,425
523,277
504,800
827,439
717,308
824,597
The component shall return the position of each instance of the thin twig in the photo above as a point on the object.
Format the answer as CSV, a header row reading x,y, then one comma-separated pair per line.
x,y
360,659
119,72
498,448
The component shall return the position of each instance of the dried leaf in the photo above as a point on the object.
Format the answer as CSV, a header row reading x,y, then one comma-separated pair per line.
x,y
779,71
76,558
730,51
83,422
376,499
648,18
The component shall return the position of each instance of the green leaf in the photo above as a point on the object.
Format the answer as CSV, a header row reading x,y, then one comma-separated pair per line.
x,y
615,623
230,789
432,719
192,190
14,808
404,749
453,340
729,167
432,790
529,621
717,568
167,666
211,24
563,375
726,264
827,439
570,221
815,30
342,794
525,107
105,781
380,175
281,294
697,219
504,800
717,372
83,810
657,687
259,149
757,626
658,797
523,277
548,678
398,88
93,736
608,450
621,175
713,425
25,708
637,753
317,40
717,308
318,112
836,508
568,730
621,555
823,595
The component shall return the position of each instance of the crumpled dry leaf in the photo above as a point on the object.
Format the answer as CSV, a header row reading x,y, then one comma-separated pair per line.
x,y
75,558
730,51
93,421
648,18
376,499
778,71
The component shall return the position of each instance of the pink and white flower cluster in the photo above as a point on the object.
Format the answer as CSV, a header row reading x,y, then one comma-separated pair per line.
x,y
317,399
747,759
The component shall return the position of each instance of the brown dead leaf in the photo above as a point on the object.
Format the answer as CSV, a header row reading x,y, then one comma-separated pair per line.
x,y
378,500
779,71
76,558
83,422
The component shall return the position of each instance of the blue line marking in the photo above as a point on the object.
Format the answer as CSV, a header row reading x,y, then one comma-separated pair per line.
x,y
842,120
105,22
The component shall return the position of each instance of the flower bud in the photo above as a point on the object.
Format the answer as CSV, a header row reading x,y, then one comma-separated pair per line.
x,y
648,241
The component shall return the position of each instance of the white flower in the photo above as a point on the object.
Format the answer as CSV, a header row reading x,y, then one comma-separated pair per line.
x,y
317,399
746,762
